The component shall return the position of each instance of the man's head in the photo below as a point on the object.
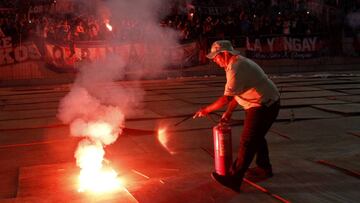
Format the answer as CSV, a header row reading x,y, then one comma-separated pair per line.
x,y
221,46
221,52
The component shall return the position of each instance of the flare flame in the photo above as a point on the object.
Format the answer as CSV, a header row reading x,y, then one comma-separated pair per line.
x,y
94,176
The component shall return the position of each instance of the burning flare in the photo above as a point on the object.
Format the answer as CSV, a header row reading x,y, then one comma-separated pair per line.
x,y
108,26
95,177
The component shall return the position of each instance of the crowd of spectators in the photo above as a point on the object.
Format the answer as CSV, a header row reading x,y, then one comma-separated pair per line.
x,y
64,28
193,22
7,4
253,18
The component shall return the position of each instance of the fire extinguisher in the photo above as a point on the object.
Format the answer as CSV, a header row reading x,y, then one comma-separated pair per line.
x,y
222,148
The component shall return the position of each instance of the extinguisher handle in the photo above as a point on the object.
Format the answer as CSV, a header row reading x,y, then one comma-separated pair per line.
x,y
224,121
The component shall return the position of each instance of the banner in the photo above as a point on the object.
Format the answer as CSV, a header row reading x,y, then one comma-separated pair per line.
x,y
67,57
185,55
294,47
12,54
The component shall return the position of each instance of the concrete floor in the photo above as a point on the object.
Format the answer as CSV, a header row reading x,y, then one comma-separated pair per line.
x,y
314,145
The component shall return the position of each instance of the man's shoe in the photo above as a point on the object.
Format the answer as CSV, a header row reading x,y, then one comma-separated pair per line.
x,y
227,181
258,174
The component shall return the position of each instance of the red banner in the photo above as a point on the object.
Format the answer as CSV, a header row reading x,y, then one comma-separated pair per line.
x,y
66,57
11,54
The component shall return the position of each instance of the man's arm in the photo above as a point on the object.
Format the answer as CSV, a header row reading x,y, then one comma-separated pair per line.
x,y
222,101
227,115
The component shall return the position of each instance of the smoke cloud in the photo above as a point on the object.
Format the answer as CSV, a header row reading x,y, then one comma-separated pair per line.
x,y
137,22
95,98
96,105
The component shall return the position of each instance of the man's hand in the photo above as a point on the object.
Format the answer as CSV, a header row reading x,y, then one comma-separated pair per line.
x,y
222,101
225,118
201,113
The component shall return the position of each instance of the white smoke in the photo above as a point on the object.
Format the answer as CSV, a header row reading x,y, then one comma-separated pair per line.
x,y
95,99
138,21
94,85
97,103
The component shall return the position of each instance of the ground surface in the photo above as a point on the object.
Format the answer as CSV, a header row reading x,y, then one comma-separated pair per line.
x,y
314,145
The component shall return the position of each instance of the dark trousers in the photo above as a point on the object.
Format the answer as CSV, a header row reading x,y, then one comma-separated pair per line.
x,y
258,121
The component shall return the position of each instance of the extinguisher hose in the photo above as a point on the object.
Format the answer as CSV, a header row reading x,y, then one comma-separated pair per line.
x,y
211,119
191,116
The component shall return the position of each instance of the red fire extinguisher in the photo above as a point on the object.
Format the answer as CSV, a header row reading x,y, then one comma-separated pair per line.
x,y
222,148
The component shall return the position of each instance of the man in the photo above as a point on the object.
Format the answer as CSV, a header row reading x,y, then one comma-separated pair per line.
x,y
248,86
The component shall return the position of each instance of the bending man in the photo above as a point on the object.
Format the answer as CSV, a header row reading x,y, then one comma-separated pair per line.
x,y
248,86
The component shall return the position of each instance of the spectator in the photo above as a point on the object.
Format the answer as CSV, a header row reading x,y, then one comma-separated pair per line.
x,y
64,31
79,32
244,24
286,26
94,33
